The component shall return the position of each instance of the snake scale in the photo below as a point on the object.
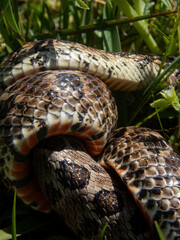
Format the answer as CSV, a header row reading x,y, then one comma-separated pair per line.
x,y
57,114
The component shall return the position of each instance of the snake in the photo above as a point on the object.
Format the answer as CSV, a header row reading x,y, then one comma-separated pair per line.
x,y
60,149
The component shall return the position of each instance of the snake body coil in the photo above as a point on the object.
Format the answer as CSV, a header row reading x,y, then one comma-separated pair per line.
x,y
56,89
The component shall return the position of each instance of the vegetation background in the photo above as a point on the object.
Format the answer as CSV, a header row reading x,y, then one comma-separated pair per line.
x,y
151,27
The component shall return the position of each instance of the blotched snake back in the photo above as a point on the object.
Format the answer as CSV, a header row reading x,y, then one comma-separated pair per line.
x,y
56,113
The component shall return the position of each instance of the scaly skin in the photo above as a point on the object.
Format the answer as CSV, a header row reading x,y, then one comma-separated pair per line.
x,y
43,101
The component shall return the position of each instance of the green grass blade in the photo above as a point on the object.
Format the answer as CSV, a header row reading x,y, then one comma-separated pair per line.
x,y
111,38
11,15
100,237
141,26
14,218
50,19
159,230
146,94
27,27
14,7
10,25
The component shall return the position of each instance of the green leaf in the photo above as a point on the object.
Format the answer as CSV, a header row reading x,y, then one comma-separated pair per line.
x,y
160,103
5,236
147,93
169,99
81,4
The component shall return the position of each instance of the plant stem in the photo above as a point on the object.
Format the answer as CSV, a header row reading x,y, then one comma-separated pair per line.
x,y
141,27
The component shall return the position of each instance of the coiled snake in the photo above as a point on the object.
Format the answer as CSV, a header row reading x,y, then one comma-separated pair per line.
x,y
57,113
